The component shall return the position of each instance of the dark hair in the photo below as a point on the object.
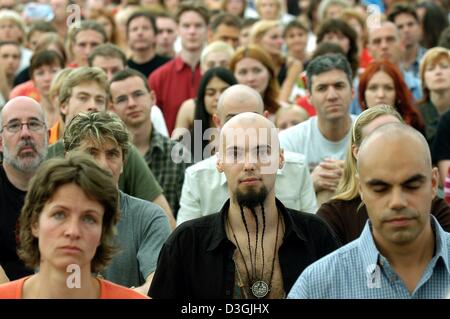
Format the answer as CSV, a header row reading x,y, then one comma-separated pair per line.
x,y
147,15
128,73
402,8
186,6
226,19
327,48
108,50
325,63
200,109
404,101
433,23
45,57
294,24
40,26
444,39
340,26
248,22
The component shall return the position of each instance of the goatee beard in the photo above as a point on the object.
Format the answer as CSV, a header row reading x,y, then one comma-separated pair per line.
x,y
252,197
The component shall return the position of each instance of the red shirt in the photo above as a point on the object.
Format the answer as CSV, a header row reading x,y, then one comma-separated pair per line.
x,y
173,83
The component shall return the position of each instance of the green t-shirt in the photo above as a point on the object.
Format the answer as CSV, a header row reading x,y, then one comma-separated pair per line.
x,y
136,180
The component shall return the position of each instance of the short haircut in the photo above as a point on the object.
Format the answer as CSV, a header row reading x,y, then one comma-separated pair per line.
x,y
2,43
51,39
248,22
41,58
186,6
57,82
128,73
402,8
96,127
40,26
295,24
327,48
216,46
325,4
328,62
227,19
145,14
82,75
107,50
96,183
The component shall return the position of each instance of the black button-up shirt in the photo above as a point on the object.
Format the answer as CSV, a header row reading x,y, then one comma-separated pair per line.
x,y
196,262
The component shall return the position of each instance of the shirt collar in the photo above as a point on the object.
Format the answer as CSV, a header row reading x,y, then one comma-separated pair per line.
x,y
370,253
156,141
220,236
180,64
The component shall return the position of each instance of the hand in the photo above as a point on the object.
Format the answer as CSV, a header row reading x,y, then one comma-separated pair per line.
x,y
326,175
294,67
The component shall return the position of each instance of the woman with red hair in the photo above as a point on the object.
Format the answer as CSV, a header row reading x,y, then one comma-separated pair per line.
x,y
382,83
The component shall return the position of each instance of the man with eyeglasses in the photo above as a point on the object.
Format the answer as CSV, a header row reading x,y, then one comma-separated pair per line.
x,y
23,141
132,99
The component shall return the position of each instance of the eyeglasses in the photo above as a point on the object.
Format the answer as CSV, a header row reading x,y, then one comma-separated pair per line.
x,y
15,126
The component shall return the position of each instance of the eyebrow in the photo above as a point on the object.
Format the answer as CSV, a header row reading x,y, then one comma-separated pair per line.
x,y
412,179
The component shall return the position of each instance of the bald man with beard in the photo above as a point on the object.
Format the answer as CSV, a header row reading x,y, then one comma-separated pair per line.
x,y
23,141
402,252
254,247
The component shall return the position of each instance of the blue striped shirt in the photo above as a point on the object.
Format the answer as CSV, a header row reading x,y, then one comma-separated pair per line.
x,y
358,270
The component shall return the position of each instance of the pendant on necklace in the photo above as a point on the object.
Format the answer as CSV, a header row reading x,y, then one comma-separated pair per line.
x,y
260,289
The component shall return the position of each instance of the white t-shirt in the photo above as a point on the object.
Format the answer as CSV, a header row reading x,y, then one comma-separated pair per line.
x,y
158,121
305,138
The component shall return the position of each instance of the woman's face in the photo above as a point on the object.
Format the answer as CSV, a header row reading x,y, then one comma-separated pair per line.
x,y
43,76
106,24
338,38
253,73
272,41
296,39
268,9
69,229
235,7
216,59
214,89
244,36
380,90
437,75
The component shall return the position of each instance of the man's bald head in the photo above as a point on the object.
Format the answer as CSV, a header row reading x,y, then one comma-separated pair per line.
x,y
394,133
21,102
237,99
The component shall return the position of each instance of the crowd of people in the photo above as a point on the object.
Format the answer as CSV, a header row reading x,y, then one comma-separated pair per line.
x,y
224,149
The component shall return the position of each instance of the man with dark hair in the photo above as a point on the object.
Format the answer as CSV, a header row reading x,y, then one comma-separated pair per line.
x,y
323,138
178,80
141,37
166,35
108,57
274,244
404,16
23,142
132,100
225,27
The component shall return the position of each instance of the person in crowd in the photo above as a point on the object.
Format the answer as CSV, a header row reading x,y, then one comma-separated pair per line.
x,y
178,79
252,66
382,83
143,227
23,143
166,35
66,229
402,251
225,27
345,212
105,18
273,10
239,8
440,148
132,99
252,220
433,21
435,79
293,185
141,36
289,116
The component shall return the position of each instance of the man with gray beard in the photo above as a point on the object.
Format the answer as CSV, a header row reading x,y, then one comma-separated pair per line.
x,y
23,142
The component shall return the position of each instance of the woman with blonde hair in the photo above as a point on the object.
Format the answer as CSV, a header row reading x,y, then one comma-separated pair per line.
x,y
435,77
345,212
252,66
269,36
273,10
